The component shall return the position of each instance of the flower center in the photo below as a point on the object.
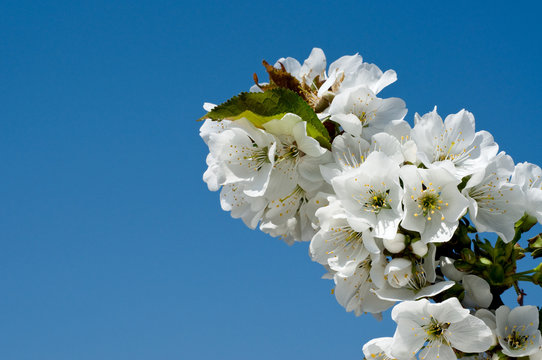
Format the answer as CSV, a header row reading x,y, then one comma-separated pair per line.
x,y
259,156
429,202
418,280
365,118
353,236
378,200
292,152
435,330
516,340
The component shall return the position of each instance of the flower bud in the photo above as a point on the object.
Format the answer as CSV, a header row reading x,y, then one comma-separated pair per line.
x,y
398,272
463,266
396,244
468,256
519,252
486,261
537,276
419,248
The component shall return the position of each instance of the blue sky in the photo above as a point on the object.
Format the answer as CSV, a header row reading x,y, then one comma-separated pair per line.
x,y
111,245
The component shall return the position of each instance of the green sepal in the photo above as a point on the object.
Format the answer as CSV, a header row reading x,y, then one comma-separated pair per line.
x,y
260,108
496,274
485,261
523,225
536,253
535,246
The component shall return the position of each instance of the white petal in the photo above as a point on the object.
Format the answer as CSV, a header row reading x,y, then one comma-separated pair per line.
x,y
349,122
449,310
477,292
437,351
449,270
314,65
305,143
470,335
408,339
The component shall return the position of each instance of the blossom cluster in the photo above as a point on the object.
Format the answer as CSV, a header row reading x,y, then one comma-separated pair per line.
x,y
392,211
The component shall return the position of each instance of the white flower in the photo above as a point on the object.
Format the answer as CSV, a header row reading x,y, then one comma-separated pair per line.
x,y
453,140
477,292
336,244
299,157
356,292
246,156
529,178
344,74
417,283
494,204
401,130
350,71
313,66
293,218
269,175
232,196
517,330
212,127
249,209
433,205
359,111
351,151
214,176
294,181
440,327
371,195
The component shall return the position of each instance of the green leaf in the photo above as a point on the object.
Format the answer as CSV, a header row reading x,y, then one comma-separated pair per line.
x,y
464,182
260,108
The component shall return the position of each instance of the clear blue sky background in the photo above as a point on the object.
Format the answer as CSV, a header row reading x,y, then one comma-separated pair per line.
x,y
111,247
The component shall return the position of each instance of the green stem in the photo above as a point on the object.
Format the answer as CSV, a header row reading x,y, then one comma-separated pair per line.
x,y
525,272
